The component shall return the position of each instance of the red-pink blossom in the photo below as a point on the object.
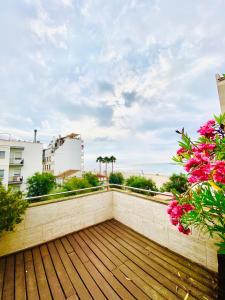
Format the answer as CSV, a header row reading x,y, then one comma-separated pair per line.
x,y
207,129
206,149
192,162
188,207
183,230
202,173
219,172
181,150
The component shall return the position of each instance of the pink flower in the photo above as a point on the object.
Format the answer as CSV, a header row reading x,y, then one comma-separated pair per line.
x,y
207,129
188,207
192,162
219,172
202,173
203,148
174,221
181,150
183,230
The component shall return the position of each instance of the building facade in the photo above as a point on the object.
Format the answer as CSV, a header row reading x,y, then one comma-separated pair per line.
x,y
64,154
18,161
220,80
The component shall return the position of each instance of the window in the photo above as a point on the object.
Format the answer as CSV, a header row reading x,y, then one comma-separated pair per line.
x,y
2,154
16,172
1,174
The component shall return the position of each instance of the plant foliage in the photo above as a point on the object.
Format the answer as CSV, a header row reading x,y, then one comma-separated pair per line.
x,y
40,184
12,208
141,183
116,178
177,183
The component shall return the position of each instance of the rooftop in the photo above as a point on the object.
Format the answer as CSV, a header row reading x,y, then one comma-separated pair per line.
x,y
105,261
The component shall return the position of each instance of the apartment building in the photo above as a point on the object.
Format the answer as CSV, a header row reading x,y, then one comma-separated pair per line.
x,y
64,155
220,80
18,161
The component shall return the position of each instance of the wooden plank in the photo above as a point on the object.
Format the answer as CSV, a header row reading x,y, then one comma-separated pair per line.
x,y
2,273
104,259
67,245
41,278
171,281
83,257
55,287
166,282
115,284
176,257
31,284
61,272
172,265
85,276
130,286
96,275
114,259
71,271
113,249
8,288
152,294
20,281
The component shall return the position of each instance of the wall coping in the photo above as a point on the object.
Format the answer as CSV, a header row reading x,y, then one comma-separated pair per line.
x,y
72,197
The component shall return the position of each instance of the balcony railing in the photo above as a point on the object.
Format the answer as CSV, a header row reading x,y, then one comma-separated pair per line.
x,y
16,161
15,180
103,187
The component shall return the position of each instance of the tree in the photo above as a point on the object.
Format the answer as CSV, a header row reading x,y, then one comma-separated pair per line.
x,y
116,178
112,160
141,183
12,208
106,160
92,179
75,183
177,183
100,161
40,184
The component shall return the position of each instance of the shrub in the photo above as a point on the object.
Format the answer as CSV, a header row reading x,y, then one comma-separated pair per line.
x,y
116,178
40,184
92,179
177,183
141,183
12,207
76,184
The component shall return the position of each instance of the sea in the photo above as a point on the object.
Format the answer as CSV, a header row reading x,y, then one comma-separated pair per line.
x,y
151,168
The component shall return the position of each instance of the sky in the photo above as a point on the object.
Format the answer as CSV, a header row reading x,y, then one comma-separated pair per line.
x,y
125,74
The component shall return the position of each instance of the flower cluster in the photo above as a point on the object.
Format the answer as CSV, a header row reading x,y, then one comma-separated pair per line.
x,y
176,211
208,129
204,161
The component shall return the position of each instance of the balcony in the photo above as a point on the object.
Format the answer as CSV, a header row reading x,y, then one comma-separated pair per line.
x,y
15,180
109,244
16,162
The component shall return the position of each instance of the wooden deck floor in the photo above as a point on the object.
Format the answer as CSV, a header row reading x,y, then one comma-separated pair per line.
x,y
106,261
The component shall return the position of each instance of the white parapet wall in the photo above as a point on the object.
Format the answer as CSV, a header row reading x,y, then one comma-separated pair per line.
x,y
48,220
151,219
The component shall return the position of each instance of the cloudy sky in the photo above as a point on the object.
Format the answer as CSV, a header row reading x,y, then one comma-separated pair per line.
x,y
124,73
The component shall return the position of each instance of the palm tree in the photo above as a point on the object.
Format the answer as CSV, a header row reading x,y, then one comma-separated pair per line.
x,y
100,161
112,160
106,160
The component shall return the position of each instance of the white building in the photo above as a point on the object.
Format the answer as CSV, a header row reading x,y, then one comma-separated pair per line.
x,y
220,80
63,156
18,161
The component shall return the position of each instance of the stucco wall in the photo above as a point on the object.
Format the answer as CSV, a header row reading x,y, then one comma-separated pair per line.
x,y
48,221
150,219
